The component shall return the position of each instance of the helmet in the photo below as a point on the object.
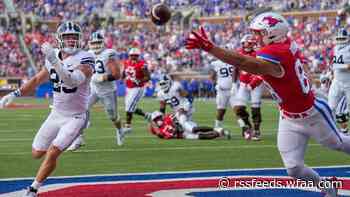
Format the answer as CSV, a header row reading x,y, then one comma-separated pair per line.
x,y
157,117
134,51
96,42
248,42
69,37
342,36
165,83
272,26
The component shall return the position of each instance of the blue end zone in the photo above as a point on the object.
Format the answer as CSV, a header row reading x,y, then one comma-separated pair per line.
x,y
18,184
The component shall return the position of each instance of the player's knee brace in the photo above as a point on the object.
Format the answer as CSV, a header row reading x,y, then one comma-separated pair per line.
x,y
342,118
256,115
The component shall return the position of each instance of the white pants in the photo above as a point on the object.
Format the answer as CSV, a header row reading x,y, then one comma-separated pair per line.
x,y
59,130
244,95
133,96
109,102
336,92
294,134
224,99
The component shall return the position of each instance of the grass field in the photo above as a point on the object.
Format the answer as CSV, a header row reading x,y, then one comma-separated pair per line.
x,y
143,152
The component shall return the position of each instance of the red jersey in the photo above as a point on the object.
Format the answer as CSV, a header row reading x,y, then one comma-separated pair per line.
x,y
168,129
247,78
292,91
133,72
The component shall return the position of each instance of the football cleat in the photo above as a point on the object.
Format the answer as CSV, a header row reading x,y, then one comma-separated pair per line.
x,y
247,134
256,136
77,143
227,134
30,192
331,191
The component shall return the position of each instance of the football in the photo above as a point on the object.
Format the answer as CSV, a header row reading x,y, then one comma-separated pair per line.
x,y
160,14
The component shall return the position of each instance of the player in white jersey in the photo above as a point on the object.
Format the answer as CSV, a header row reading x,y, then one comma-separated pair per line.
x,y
341,70
70,69
172,93
103,86
225,76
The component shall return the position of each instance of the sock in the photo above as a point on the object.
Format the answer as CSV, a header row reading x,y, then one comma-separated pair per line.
x,y
36,184
241,122
218,123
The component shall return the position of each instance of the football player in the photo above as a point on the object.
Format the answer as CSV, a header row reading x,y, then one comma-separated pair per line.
x,y
103,86
225,77
302,115
136,74
167,127
341,82
250,89
69,68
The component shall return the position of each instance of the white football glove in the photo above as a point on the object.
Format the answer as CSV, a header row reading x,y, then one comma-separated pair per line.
x,y
7,99
50,53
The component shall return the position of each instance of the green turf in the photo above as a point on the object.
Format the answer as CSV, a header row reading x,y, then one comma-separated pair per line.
x,y
143,152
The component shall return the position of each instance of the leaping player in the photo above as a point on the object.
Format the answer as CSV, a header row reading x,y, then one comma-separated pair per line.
x,y
103,87
173,94
136,74
302,115
69,68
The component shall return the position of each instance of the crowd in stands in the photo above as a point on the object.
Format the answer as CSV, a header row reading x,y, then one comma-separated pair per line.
x,y
162,49
70,9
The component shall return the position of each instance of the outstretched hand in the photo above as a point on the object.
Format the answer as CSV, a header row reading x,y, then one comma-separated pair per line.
x,y
199,40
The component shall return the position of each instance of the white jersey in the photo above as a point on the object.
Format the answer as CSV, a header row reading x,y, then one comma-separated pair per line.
x,y
102,88
224,75
340,60
173,97
66,99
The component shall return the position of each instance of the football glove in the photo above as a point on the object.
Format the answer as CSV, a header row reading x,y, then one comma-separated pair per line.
x,y
199,40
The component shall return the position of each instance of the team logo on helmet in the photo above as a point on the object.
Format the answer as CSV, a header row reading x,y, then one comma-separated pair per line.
x,y
271,21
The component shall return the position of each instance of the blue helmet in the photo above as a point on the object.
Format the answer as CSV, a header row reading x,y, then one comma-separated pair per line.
x,y
69,37
96,42
342,36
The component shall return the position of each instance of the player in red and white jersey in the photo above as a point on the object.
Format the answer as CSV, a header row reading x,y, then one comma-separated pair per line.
x,y
250,90
136,75
302,116
167,126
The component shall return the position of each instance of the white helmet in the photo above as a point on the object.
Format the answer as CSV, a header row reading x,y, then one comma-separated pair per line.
x,y
165,82
96,42
69,37
157,118
342,36
156,114
274,27
247,38
134,51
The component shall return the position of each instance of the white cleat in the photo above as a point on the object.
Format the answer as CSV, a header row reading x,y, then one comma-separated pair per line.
x,y
79,142
120,136
30,192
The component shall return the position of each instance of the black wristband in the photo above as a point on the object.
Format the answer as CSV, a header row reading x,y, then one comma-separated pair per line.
x,y
110,77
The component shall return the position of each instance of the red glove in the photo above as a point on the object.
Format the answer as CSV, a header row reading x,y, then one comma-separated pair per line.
x,y
199,40
255,82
